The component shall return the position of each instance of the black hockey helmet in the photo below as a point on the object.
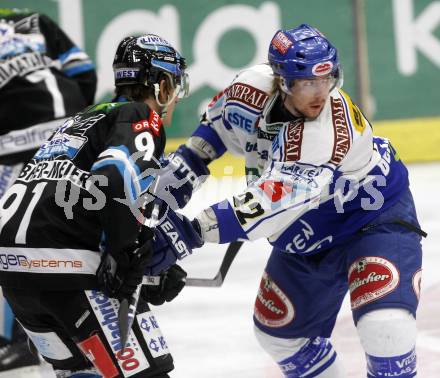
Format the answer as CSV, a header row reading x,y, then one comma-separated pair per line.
x,y
143,60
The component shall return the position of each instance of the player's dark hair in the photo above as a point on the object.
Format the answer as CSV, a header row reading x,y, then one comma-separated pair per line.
x,y
135,92
275,85
139,92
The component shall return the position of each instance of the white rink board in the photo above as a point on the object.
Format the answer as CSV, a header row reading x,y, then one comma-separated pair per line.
x,y
210,330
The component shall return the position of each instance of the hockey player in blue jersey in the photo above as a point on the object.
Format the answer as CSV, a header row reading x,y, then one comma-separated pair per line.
x,y
332,199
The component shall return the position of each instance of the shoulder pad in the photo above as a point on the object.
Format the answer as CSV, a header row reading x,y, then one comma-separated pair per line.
x,y
258,78
250,88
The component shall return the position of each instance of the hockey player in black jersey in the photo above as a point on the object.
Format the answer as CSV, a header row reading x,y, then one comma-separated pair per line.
x,y
73,221
44,78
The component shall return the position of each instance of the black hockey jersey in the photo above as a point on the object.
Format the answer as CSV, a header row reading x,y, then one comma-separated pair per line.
x,y
77,196
43,76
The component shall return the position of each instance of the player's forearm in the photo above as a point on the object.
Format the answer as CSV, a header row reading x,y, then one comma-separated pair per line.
x,y
206,142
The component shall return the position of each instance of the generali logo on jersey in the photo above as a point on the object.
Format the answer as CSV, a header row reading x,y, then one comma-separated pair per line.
x,y
247,94
272,307
154,123
341,133
293,140
371,278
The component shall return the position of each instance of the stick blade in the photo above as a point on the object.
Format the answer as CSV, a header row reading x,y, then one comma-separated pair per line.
x,y
217,281
205,282
124,326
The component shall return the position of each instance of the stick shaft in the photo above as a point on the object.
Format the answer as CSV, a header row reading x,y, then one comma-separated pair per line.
x,y
217,281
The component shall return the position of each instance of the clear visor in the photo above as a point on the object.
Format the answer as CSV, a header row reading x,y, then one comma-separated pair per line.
x,y
310,86
182,86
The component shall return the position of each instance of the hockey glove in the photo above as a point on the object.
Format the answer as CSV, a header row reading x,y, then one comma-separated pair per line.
x,y
182,172
175,238
171,284
118,282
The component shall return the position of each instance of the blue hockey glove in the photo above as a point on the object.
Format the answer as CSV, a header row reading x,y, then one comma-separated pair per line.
x,y
182,172
175,238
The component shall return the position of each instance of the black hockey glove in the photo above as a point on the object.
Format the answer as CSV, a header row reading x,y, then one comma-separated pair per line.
x,y
171,284
118,282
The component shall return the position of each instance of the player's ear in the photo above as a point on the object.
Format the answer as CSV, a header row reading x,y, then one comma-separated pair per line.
x,y
164,90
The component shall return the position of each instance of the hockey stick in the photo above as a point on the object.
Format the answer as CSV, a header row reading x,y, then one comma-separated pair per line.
x,y
217,281
127,307
126,313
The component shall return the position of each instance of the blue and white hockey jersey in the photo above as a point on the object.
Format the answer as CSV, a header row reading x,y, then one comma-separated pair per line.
x,y
312,183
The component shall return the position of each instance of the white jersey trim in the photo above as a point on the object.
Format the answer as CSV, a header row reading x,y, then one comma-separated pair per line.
x,y
28,139
49,260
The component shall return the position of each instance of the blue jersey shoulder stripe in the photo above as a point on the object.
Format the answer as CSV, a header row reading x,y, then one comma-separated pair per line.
x,y
79,69
63,57
123,162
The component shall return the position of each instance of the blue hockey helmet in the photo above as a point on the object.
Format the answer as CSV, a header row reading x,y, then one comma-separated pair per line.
x,y
302,53
143,59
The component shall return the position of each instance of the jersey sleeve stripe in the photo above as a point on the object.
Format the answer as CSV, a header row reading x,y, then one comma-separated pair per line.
x,y
72,71
229,228
129,171
239,105
216,118
263,219
73,51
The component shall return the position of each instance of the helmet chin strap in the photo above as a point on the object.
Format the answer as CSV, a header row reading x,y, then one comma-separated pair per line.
x,y
165,105
296,112
283,86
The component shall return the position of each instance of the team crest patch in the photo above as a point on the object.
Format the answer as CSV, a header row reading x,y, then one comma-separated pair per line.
x,y
281,42
272,307
371,278
417,283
